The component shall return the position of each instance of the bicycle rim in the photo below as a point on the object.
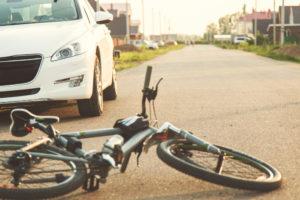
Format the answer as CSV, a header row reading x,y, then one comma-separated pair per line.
x,y
238,169
46,178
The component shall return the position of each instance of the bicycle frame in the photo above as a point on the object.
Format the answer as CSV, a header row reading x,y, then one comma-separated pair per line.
x,y
127,147
133,134
119,152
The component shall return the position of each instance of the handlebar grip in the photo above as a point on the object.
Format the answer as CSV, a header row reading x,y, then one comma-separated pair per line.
x,y
148,77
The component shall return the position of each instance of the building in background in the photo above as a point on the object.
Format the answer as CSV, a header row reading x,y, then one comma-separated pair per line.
x,y
118,26
164,37
292,24
135,33
245,25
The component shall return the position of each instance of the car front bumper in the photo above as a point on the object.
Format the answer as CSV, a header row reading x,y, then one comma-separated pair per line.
x,y
67,79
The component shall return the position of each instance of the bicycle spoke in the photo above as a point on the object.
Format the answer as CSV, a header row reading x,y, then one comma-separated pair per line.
x,y
232,166
41,175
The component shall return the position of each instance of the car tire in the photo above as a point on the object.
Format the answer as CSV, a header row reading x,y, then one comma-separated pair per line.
x,y
111,92
93,106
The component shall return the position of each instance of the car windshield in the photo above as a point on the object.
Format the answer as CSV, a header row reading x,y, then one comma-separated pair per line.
x,y
13,12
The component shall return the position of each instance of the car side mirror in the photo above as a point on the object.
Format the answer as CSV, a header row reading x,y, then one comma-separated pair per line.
x,y
104,17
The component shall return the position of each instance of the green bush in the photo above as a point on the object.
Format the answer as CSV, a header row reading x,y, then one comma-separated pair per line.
x,y
263,40
133,58
263,50
291,40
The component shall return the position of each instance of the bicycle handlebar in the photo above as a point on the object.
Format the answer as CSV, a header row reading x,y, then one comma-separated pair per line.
x,y
148,77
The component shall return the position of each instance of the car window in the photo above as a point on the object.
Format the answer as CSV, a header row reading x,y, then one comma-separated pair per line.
x,y
14,12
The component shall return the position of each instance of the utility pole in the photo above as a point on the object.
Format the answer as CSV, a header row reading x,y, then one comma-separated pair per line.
x,y
97,6
282,24
127,24
274,23
255,24
153,22
244,18
160,31
143,19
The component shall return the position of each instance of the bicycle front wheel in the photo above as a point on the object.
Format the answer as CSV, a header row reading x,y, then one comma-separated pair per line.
x,y
238,169
45,179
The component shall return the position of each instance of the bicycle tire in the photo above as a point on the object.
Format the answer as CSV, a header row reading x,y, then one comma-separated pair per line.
x,y
189,167
63,188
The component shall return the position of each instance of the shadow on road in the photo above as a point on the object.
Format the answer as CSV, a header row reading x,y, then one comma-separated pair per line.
x,y
226,193
66,111
209,194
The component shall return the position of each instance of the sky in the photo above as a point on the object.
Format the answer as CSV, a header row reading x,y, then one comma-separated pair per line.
x,y
190,16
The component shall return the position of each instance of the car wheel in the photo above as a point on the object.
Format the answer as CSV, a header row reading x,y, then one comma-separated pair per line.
x,y
111,92
94,106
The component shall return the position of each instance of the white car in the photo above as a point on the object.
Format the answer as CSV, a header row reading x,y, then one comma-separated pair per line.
x,y
161,43
146,43
240,39
151,44
55,50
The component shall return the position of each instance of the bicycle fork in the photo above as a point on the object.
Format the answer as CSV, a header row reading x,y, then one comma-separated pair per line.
x,y
170,128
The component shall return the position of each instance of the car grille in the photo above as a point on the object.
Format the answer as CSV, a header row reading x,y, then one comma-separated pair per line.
x,y
18,93
19,69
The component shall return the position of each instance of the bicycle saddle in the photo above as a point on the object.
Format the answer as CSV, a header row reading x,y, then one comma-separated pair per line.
x,y
21,118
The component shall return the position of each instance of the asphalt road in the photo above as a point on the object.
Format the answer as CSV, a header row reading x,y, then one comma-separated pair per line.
x,y
232,98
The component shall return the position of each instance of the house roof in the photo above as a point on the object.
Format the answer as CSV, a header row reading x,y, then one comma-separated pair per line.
x,y
257,15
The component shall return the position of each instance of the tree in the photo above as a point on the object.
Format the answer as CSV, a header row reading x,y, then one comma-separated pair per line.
x,y
211,30
228,23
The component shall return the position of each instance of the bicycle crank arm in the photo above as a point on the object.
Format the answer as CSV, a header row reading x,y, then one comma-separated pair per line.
x,y
36,144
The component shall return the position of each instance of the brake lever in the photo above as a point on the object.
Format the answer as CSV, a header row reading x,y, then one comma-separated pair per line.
x,y
152,93
160,80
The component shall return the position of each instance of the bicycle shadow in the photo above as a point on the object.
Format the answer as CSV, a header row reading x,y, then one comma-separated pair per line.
x,y
209,194
225,193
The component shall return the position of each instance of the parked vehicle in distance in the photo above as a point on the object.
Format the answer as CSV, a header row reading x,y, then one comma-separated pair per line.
x,y
56,50
145,43
172,43
161,43
240,39
223,38
151,44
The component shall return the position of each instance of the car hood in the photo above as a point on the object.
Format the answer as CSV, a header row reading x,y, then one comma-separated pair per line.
x,y
43,38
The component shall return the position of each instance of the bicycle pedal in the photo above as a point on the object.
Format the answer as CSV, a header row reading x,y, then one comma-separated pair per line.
x,y
92,184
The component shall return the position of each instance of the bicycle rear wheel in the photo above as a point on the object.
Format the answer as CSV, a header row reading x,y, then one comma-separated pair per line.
x,y
45,179
238,170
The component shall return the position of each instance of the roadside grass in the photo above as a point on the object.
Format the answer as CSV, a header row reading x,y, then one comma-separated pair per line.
x,y
134,58
270,51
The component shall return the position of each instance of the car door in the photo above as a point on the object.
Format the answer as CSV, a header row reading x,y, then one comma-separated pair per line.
x,y
102,37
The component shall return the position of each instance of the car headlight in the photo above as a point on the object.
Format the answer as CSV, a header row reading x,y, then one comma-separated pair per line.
x,y
68,51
